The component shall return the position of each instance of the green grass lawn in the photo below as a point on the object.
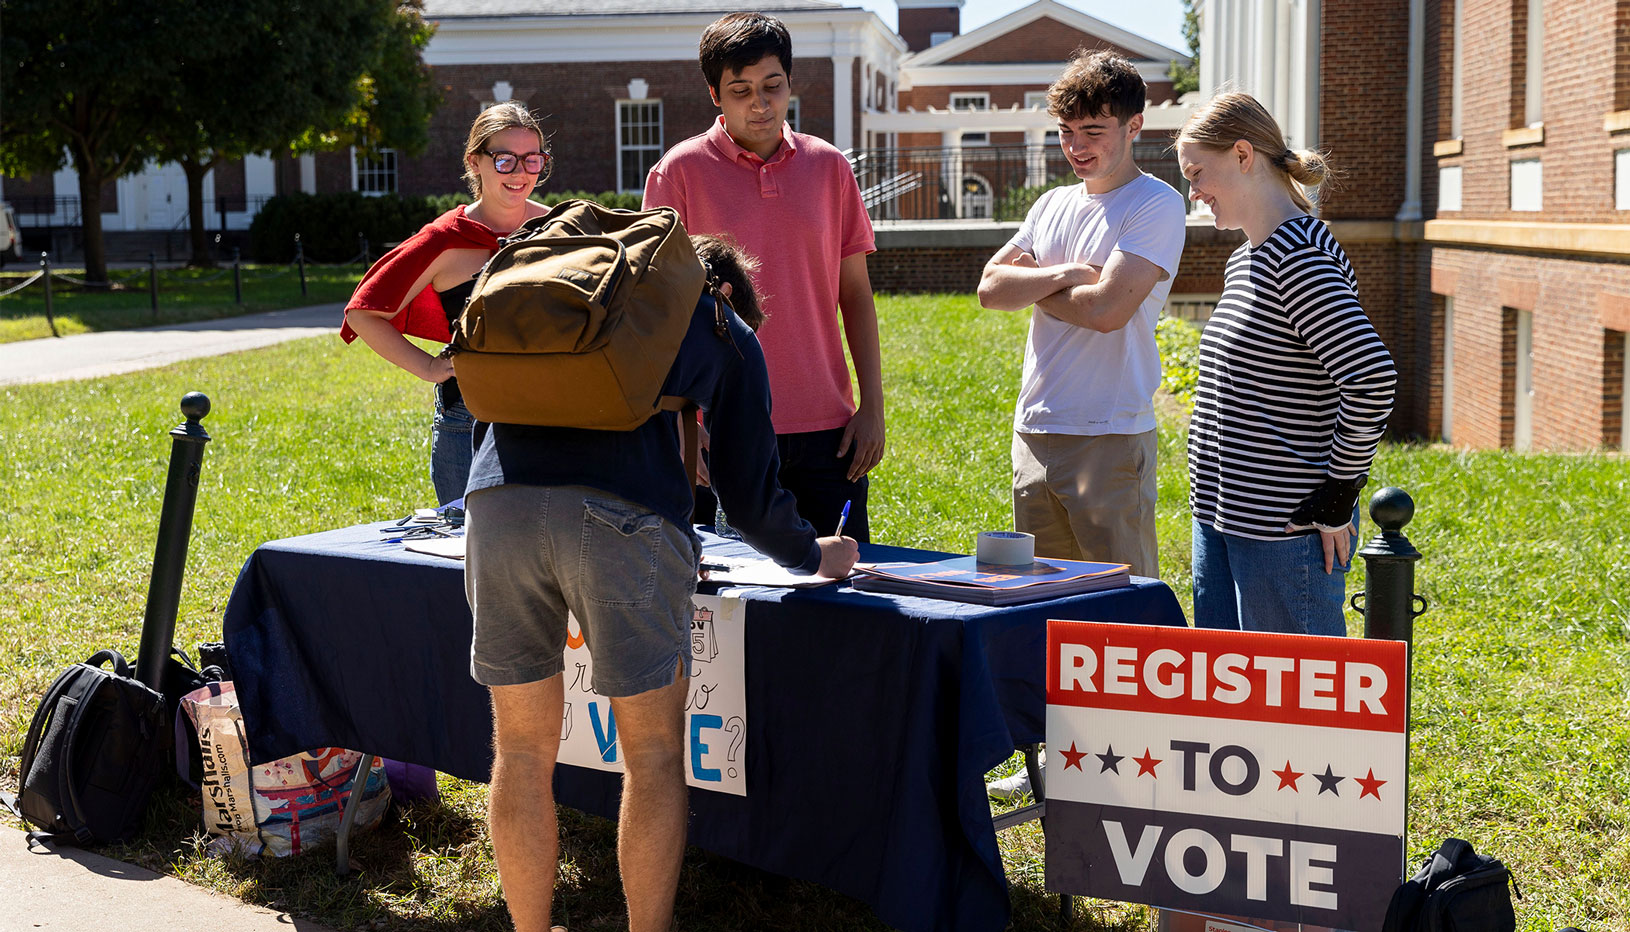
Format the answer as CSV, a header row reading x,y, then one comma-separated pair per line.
x,y
1520,742
184,294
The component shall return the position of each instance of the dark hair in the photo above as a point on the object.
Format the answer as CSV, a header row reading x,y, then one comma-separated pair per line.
x,y
741,40
1096,83
730,264
510,114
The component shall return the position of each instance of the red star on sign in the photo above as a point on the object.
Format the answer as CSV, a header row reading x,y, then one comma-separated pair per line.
x,y
1146,764
1072,757
1288,777
1370,785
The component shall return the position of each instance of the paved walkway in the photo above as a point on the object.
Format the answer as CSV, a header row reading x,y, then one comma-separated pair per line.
x,y
70,890
110,352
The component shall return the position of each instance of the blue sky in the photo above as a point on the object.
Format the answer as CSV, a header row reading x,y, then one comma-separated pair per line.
x,y
1160,20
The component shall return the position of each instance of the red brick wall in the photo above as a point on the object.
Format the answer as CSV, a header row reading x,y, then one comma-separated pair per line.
x,y
953,269
1043,40
1581,41
916,26
1571,365
578,106
1362,74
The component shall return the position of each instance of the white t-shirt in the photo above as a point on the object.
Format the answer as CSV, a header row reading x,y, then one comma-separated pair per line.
x,y
1080,381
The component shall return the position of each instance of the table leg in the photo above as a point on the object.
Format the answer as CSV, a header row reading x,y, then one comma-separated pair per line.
x,y
342,839
1038,786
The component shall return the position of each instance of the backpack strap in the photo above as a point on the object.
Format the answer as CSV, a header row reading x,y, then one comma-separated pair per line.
x,y
42,717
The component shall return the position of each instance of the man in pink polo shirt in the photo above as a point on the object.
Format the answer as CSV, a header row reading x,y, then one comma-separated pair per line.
x,y
791,200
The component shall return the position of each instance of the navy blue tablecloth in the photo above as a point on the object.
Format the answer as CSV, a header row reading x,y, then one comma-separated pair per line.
x,y
872,718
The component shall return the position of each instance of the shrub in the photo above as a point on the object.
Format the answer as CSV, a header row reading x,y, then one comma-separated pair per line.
x,y
328,224
1179,343
1018,201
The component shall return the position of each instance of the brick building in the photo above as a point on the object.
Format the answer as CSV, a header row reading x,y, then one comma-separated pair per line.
x,y
1487,152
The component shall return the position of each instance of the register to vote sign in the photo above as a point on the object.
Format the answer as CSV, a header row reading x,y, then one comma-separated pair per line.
x,y
715,705
1223,772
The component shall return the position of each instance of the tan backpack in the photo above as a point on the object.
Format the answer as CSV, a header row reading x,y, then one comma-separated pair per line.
x,y
577,319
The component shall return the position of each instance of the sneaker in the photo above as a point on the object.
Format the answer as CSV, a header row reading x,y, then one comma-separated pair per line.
x,y
1018,784
1010,788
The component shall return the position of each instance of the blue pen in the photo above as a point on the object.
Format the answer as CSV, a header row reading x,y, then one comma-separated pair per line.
x,y
843,518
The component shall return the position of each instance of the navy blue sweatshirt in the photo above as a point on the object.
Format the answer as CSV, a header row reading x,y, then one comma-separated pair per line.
x,y
644,465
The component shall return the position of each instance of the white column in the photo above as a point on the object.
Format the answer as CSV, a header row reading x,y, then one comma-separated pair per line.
x,y
1035,157
1267,17
843,102
308,173
1410,210
952,141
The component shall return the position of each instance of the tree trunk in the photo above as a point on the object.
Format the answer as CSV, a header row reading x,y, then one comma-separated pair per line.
x,y
196,171
90,218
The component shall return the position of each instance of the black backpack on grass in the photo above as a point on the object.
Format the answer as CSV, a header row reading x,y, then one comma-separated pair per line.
x,y
94,753
1456,890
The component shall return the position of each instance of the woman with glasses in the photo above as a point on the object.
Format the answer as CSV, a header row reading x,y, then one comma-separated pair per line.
x,y
419,288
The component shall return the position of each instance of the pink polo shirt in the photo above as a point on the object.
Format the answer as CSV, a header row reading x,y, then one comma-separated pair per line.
x,y
800,213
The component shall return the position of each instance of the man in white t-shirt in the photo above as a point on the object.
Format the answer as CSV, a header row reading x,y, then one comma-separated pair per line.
x,y
1097,260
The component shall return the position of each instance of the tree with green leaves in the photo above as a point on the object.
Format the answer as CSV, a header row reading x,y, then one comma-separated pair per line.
x,y
282,79
1186,78
108,87
82,84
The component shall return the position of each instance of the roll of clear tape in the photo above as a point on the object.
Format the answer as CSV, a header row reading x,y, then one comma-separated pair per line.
x,y
1008,548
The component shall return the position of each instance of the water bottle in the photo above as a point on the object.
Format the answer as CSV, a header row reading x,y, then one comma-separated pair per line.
x,y
721,526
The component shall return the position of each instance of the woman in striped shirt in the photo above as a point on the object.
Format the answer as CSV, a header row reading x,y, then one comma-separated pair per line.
x,y
1295,387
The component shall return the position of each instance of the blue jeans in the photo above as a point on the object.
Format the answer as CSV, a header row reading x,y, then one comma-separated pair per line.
x,y
1267,585
451,448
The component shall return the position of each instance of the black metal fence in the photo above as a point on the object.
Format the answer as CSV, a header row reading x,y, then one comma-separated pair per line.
x,y
978,182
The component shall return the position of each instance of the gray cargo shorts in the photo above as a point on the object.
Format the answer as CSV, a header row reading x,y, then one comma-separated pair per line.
x,y
534,553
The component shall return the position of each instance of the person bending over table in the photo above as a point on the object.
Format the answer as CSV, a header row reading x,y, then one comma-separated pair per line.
x,y
419,288
597,523
1295,387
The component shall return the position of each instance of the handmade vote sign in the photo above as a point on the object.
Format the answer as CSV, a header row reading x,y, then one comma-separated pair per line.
x,y
1226,772
715,705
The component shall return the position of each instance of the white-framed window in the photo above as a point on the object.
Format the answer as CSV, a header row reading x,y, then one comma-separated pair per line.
x,y
639,141
373,173
1449,177
976,139
970,101
1527,185
1621,179
1522,434
793,111
1035,99
935,38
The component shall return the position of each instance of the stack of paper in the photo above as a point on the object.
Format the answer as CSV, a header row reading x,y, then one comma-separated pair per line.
x,y
964,579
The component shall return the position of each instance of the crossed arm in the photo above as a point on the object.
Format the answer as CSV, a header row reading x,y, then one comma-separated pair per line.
x,y
1073,292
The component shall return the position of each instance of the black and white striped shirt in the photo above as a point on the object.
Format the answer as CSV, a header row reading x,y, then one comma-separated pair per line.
x,y
1295,385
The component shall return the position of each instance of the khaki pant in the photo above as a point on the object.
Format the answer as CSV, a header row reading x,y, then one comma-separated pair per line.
x,y
1088,498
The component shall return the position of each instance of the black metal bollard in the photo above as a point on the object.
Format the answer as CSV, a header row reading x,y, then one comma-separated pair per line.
x,y
300,260
152,284
45,276
362,241
1388,602
1389,599
174,529
237,276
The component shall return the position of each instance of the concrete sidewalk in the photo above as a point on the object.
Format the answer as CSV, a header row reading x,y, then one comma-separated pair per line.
x,y
111,352
71,890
